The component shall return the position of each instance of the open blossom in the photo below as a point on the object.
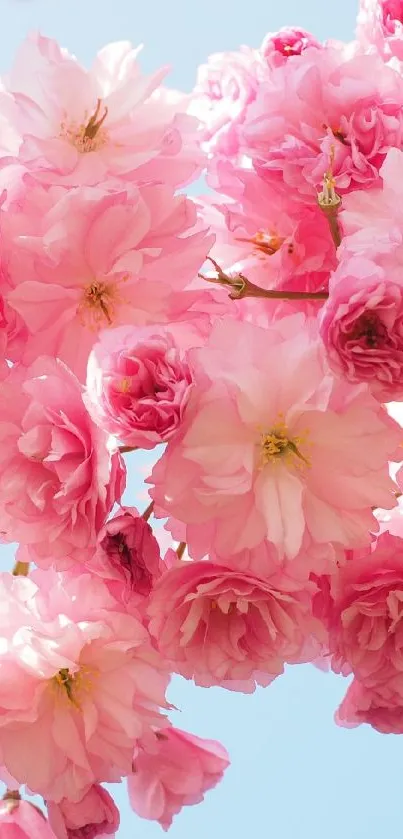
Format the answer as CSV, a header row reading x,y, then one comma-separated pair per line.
x,y
380,707
279,47
266,425
81,683
96,815
128,558
60,475
380,27
366,635
98,258
275,242
138,385
176,771
22,820
219,626
329,103
80,127
225,88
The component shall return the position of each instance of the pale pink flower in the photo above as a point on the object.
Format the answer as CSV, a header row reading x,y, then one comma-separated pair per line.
x,y
22,820
362,326
80,127
60,475
330,101
102,257
265,426
128,558
380,707
219,626
225,88
96,815
176,772
138,385
276,242
366,636
380,27
81,683
289,41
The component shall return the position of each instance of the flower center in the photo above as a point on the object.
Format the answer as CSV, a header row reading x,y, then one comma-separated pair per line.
x,y
392,12
72,686
278,445
98,301
265,243
87,136
370,329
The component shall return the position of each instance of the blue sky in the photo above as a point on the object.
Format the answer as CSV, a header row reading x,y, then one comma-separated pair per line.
x,y
294,773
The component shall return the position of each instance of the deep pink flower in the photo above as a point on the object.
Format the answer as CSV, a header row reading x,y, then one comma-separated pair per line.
x,y
289,41
362,326
223,627
176,772
380,27
97,258
225,88
329,101
96,815
366,635
79,127
22,820
60,475
382,708
138,385
128,558
252,460
81,684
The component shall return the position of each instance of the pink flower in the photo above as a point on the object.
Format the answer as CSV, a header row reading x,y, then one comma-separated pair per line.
x,y
96,815
79,127
279,47
252,460
225,88
138,385
60,475
128,558
330,100
22,820
367,628
381,708
177,772
380,26
98,258
223,627
362,326
81,683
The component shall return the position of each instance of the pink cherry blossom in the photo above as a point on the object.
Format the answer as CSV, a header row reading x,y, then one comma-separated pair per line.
x,y
279,47
138,385
251,462
381,707
225,88
22,820
362,326
96,815
329,102
366,632
223,627
380,27
176,772
79,128
101,258
128,558
81,683
60,475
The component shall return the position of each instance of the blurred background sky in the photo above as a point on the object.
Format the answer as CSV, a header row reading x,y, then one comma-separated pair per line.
x,y
294,773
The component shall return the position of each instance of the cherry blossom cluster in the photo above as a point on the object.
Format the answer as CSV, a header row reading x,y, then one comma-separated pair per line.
x,y
250,340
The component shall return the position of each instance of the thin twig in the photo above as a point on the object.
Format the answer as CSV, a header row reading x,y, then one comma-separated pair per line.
x,y
148,511
127,449
181,549
242,287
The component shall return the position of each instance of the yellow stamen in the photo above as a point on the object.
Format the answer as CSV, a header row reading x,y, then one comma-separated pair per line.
x,y
89,135
278,445
265,243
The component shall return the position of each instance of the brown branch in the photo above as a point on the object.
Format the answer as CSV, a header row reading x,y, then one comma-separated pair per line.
x,y
148,511
21,569
127,449
181,549
242,287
